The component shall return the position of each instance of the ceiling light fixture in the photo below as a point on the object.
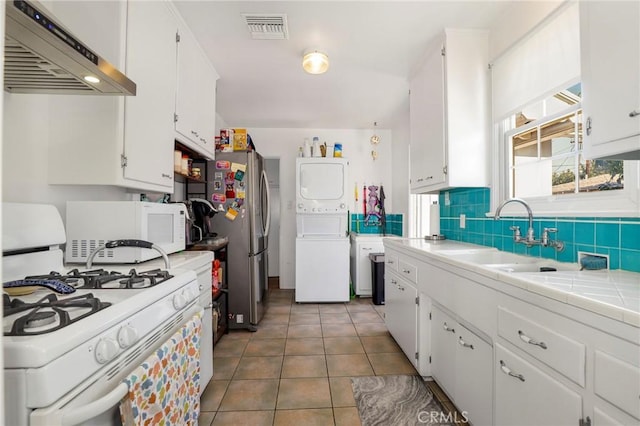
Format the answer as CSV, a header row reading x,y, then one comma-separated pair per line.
x,y
315,62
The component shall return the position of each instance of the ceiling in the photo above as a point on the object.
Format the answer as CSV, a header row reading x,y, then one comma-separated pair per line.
x,y
373,47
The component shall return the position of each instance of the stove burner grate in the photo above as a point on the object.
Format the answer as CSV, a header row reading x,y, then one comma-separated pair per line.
x,y
46,310
103,279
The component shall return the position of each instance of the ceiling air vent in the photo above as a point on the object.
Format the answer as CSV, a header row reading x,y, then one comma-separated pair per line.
x,y
267,26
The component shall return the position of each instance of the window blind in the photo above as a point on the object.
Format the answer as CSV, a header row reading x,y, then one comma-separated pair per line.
x,y
544,61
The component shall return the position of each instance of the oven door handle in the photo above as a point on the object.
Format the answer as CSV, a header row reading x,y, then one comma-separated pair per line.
x,y
81,414
128,243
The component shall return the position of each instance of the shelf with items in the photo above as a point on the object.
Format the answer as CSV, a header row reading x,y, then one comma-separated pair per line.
x,y
220,295
182,178
219,290
220,305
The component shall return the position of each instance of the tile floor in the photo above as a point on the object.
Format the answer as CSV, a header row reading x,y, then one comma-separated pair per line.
x,y
296,368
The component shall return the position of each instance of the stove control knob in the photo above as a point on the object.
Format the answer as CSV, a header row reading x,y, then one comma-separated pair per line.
x,y
179,301
106,350
189,294
127,336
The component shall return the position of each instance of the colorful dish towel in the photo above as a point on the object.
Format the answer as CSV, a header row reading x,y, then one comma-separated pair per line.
x,y
164,390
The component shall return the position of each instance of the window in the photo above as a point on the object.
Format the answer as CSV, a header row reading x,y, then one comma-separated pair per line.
x,y
546,151
538,130
541,158
419,215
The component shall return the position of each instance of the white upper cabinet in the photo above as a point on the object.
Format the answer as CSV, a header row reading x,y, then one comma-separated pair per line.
x,y
449,114
148,125
426,118
195,97
120,141
610,60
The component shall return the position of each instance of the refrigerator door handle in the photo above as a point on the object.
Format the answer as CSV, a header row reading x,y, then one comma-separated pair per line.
x,y
265,185
252,254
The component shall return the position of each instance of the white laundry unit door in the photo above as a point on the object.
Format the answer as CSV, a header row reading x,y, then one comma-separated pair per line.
x,y
322,269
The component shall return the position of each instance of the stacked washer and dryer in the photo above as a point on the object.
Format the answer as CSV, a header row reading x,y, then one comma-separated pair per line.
x,y
322,241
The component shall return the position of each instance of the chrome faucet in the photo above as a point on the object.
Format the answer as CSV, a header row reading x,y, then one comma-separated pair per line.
x,y
530,239
547,242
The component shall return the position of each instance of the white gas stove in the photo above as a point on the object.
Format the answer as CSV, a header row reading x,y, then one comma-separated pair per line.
x,y
65,355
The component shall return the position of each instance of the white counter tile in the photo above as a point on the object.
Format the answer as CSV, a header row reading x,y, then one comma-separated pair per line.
x,y
615,294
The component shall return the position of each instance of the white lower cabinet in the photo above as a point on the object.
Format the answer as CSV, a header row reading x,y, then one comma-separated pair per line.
x,y
443,349
461,364
618,381
604,416
507,358
474,377
401,313
525,395
542,335
361,247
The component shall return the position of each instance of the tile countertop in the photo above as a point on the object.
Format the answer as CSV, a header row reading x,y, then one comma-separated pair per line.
x,y
611,293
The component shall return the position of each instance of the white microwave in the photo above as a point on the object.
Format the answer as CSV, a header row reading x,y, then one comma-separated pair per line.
x,y
90,224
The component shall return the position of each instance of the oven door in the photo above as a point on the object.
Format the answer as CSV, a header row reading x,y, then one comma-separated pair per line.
x,y
96,401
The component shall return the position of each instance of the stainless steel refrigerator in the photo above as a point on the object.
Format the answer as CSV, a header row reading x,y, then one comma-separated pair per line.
x,y
238,188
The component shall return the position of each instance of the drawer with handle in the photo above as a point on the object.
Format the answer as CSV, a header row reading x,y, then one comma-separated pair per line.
x,y
391,261
525,395
408,271
618,382
559,352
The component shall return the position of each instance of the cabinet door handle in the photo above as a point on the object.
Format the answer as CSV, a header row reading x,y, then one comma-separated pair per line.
x,y
367,248
531,341
588,126
634,113
406,271
164,175
390,262
394,282
426,178
445,327
507,370
464,344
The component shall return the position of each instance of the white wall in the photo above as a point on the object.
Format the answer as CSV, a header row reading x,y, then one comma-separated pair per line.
x,y
25,151
516,21
400,165
284,143
25,144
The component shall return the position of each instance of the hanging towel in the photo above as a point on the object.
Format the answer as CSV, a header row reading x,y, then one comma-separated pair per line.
x,y
164,389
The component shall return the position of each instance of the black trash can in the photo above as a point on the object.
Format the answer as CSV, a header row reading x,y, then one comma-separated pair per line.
x,y
377,277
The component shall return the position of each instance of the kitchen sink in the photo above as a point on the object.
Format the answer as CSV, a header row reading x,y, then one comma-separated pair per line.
x,y
533,267
487,257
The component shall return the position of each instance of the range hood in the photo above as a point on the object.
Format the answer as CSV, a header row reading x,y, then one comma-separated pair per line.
x,y
42,56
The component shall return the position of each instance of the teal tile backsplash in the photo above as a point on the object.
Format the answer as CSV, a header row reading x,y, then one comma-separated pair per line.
x,y
393,225
617,237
